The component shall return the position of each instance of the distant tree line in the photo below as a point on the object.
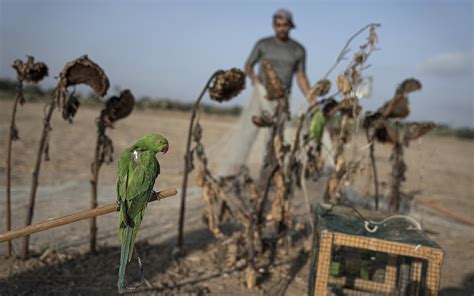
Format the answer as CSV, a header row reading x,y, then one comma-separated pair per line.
x,y
37,93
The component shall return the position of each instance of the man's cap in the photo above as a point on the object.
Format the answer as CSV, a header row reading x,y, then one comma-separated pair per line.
x,y
284,14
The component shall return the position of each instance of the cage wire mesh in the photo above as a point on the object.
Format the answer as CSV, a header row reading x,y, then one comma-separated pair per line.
x,y
397,259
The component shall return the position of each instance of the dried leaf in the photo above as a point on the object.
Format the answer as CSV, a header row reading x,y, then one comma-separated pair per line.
x,y
421,129
264,120
14,133
250,277
200,179
360,57
343,84
106,149
71,106
321,88
373,39
417,130
346,107
355,76
384,133
197,132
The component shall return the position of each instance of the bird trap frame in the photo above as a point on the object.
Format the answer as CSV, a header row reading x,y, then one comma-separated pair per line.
x,y
355,256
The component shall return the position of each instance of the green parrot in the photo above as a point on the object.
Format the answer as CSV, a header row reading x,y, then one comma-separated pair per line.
x,y
316,126
137,171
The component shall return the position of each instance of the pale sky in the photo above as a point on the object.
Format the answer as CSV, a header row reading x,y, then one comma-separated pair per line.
x,y
168,49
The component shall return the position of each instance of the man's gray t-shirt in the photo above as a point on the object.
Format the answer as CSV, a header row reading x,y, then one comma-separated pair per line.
x,y
286,58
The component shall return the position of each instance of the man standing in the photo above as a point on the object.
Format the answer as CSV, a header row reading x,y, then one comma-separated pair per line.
x,y
288,58
285,54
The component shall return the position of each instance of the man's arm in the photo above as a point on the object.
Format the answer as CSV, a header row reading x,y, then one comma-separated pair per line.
x,y
253,58
303,82
250,73
301,77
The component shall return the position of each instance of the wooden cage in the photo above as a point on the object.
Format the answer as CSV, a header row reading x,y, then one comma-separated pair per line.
x,y
350,259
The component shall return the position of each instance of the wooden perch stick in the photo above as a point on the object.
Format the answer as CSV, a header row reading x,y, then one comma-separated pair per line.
x,y
7,236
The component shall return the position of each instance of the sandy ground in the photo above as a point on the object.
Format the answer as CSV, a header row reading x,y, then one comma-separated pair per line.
x,y
440,170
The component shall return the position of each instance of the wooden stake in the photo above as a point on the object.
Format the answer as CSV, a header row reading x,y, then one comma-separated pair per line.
x,y
34,183
51,223
12,136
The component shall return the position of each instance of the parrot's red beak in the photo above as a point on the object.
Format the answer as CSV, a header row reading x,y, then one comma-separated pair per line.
x,y
165,149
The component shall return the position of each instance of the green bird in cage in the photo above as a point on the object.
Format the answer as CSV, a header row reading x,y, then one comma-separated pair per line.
x,y
316,126
137,170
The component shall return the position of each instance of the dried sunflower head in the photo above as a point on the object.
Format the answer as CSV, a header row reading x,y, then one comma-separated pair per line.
x,y
30,71
79,71
273,84
227,85
408,86
84,71
321,88
118,107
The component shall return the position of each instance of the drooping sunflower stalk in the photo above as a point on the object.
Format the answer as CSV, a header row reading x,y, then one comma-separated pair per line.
x,y
348,83
222,86
30,72
79,71
384,126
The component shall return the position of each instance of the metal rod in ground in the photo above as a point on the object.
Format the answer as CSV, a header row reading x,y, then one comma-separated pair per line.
x,y
75,217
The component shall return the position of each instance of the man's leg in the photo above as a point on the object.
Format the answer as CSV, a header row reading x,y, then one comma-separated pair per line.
x,y
237,150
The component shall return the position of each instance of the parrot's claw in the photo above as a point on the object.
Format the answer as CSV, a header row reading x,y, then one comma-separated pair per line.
x,y
142,278
118,206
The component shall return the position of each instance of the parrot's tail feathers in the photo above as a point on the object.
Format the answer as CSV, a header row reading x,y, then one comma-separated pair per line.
x,y
124,255
134,231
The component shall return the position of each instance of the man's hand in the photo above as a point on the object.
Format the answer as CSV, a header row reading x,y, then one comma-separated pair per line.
x,y
252,76
303,82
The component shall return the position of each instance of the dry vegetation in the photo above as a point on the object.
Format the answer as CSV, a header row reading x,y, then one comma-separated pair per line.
x,y
440,171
